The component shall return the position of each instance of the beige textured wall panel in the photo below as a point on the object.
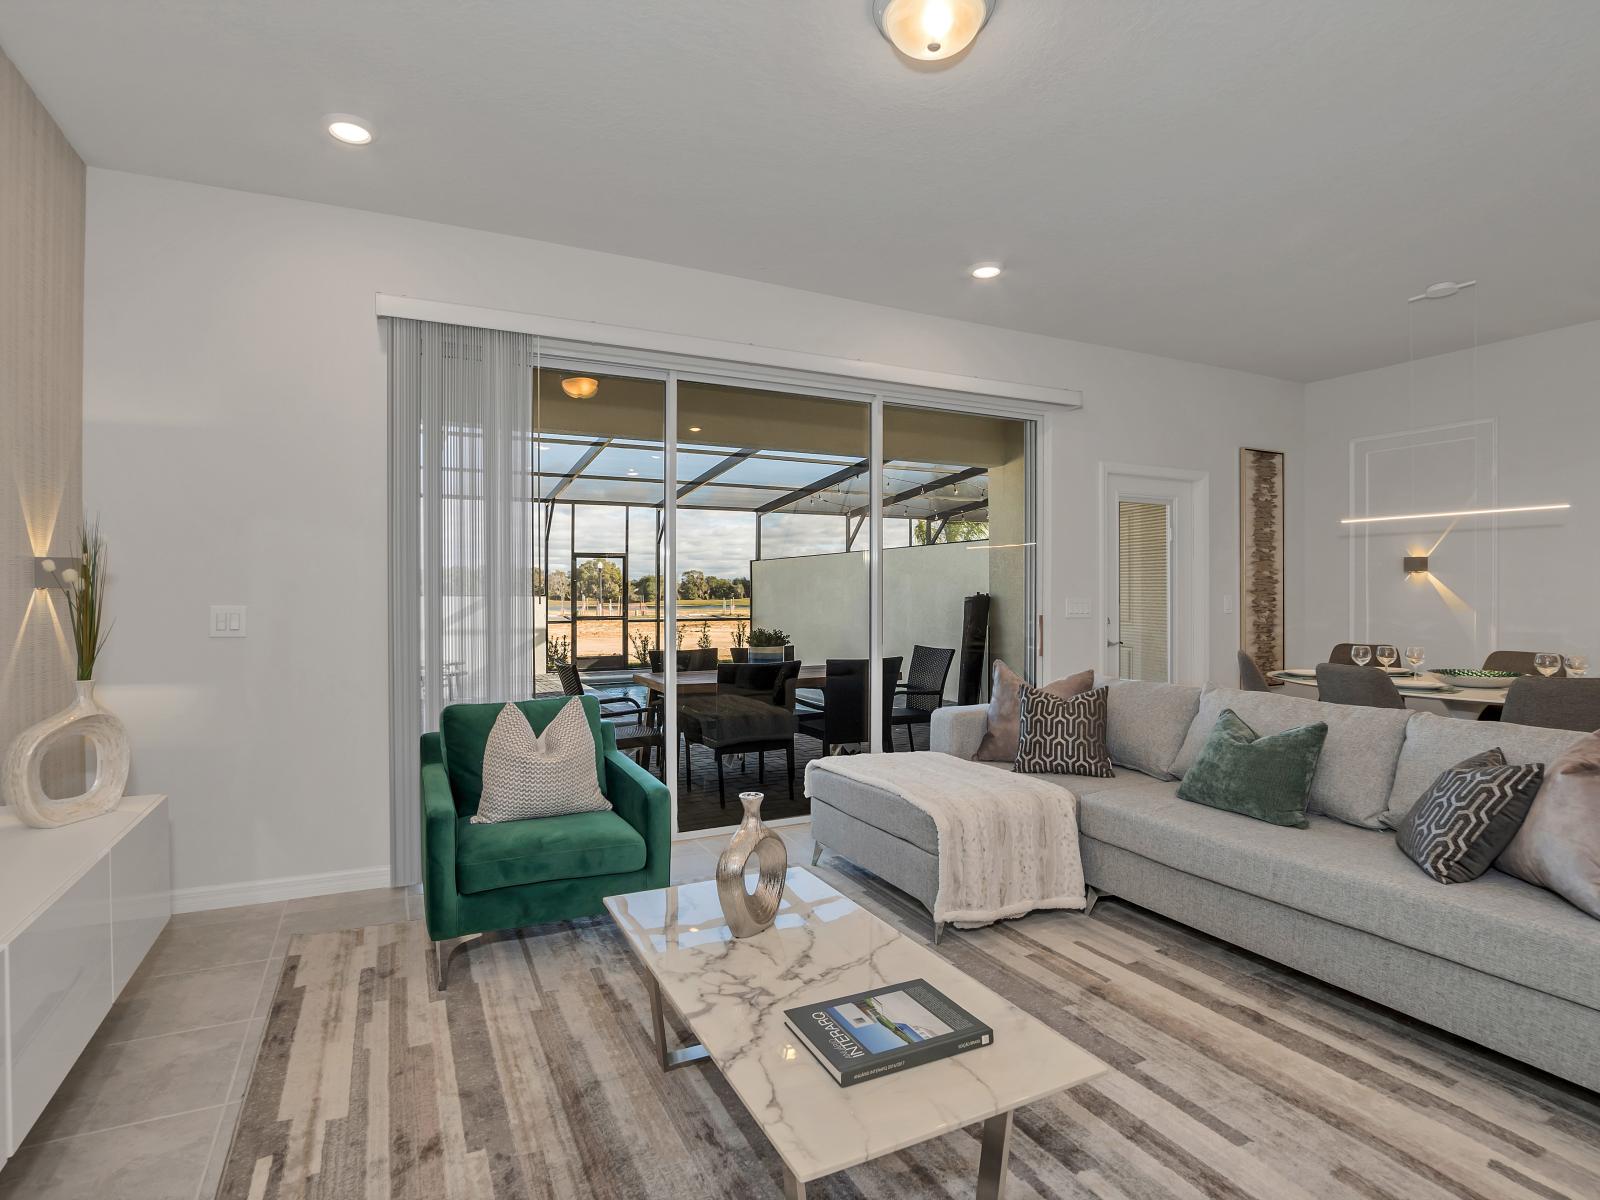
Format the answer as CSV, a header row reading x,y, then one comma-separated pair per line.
x,y
41,399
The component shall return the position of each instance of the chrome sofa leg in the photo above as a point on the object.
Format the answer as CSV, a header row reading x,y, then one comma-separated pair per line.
x,y
816,853
938,931
1090,897
444,951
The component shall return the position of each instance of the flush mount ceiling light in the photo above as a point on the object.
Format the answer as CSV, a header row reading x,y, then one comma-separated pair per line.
x,y
931,30
580,387
986,271
1442,291
352,131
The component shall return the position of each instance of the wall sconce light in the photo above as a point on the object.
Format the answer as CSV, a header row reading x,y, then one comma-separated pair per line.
x,y
1416,564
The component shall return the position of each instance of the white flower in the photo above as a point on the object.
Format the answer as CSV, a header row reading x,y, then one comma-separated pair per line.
x,y
69,576
49,565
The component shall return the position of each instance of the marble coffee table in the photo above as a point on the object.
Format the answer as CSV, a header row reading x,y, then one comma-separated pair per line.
x,y
731,993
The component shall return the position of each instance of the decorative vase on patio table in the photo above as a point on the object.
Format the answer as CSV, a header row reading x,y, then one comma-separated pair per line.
x,y
21,778
748,912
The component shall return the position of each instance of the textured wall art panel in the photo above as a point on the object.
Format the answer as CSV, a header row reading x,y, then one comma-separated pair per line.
x,y
41,405
1261,556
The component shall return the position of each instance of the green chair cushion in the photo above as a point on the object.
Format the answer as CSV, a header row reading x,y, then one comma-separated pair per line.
x,y
576,846
1268,778
464,730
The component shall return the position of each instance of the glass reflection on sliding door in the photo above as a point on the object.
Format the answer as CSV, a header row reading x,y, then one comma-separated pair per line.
x,y
957,559
773,492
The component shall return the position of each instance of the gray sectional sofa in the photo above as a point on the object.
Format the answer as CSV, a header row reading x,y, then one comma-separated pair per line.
x,y
1499,961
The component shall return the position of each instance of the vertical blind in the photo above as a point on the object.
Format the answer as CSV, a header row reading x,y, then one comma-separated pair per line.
x,y
1142,588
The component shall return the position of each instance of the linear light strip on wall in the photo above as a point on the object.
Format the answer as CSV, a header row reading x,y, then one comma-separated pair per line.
x,y
1466,512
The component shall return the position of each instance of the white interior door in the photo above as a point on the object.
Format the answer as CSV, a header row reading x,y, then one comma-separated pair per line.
x,y
1151,578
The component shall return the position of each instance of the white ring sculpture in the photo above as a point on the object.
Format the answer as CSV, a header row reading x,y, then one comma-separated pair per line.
x,y
21,782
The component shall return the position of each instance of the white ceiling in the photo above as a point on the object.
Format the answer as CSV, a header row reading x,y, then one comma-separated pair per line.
x,y
1253,183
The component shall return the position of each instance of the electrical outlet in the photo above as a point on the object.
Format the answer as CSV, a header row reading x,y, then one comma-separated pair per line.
x,y
227,621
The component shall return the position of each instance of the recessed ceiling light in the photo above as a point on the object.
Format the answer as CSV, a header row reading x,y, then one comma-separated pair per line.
x,y
580,387
986,271
694,429
352,131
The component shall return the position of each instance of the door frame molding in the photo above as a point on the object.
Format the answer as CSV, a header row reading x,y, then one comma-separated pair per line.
x,y
1191,657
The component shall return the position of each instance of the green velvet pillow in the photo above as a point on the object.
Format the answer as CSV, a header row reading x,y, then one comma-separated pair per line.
x,y
1268,778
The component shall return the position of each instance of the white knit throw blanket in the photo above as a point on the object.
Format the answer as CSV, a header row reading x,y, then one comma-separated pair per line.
x,y
1008,843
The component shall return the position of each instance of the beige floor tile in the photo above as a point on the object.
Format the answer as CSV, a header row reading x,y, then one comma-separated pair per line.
x,y
219,1153
160,1159
267,986
247,1058
156,1004
691,863
343,899
197,947
118,1083
358,910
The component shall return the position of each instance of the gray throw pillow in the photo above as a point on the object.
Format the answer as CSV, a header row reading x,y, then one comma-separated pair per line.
x,y
1147,722
1005,709
549,774
1464,821
1558,846
1063,735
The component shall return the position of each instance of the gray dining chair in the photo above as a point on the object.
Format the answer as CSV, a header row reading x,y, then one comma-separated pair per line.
x,y
1520,661
1250,677
1554,703
1341,684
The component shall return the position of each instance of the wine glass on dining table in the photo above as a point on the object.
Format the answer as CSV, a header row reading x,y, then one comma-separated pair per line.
x,y
1415,657
1577,666
1361,655
1387,656
1547,664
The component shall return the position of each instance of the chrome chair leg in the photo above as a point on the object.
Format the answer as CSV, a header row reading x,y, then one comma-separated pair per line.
x,y
816,853
444,951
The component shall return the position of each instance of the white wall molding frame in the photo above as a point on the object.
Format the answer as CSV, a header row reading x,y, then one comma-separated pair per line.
x,y
708,357
287,887
1193,666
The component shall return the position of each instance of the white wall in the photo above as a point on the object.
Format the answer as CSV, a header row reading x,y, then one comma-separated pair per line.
x,y
234,443
1528,417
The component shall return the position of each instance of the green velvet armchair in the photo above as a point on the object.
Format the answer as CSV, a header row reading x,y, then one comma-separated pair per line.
x,y
477,878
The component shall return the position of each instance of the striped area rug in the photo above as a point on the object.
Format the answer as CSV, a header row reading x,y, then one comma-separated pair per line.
x,y
1231,1077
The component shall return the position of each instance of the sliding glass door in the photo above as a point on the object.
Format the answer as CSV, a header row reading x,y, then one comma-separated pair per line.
x,y
826,568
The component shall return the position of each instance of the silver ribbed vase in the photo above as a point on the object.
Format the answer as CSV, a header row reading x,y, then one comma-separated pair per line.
x,y
749,913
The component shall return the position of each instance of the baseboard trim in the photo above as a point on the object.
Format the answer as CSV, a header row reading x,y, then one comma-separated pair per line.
x,y
288,887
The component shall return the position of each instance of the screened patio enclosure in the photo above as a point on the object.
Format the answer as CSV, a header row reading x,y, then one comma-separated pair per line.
x,y
569,519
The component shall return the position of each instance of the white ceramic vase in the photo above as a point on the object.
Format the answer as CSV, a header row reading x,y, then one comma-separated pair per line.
x,y
20,781
748,913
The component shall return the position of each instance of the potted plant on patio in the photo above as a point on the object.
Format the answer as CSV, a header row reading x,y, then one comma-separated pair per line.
x,y
741,643
769,645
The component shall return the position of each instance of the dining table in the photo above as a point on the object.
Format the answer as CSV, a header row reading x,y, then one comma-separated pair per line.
x,y
703,683
1422,690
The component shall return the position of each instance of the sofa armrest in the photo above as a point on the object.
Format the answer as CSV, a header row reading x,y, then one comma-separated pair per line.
x,y
439,899
644,802
958,729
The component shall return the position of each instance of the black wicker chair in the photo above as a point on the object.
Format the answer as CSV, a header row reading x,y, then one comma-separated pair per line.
x,y
751,712
923,690
842,719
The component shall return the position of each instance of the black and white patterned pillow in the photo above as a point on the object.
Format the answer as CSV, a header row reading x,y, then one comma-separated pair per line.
x,y
1459,826
1063,735
549,774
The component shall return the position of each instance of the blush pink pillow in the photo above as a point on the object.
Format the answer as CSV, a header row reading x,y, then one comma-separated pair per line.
x,y
1005,709
1558,846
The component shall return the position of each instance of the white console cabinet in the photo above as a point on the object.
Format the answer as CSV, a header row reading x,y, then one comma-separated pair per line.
x,y
80,907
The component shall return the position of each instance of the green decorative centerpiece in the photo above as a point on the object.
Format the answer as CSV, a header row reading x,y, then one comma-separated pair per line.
x,y
1477,677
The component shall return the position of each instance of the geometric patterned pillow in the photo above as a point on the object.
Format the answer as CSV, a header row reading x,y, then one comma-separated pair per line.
x,y
1470,814
1063,735
527,774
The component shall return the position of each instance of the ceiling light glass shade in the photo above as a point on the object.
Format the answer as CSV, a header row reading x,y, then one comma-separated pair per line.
x,y
986,271
352,131
580,387
930,30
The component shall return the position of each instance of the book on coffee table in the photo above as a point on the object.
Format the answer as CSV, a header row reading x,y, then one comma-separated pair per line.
x,y
887,1029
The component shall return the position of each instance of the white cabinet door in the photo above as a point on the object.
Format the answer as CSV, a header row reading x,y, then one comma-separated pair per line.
x,y
141,892
60,973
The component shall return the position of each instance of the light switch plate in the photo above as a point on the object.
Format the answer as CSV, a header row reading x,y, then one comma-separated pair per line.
x,y
1227,604
1077,606
227,621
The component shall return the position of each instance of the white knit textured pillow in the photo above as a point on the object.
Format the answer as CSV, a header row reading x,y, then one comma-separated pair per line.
x,y
527,774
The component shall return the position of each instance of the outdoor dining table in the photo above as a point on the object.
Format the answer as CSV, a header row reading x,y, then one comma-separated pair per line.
x,y
1417,691
701,683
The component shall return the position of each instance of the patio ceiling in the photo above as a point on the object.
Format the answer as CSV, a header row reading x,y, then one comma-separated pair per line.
x,y
592,470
